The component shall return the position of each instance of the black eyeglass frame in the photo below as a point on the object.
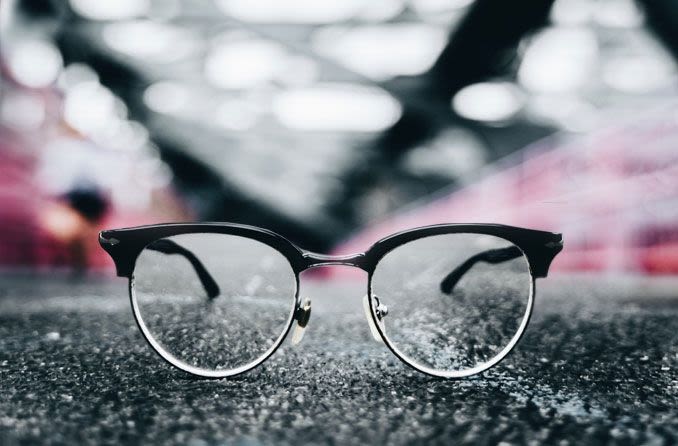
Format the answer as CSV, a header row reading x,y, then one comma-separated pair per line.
x,y
126,244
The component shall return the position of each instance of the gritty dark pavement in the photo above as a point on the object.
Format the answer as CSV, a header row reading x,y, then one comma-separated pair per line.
x,y
598,364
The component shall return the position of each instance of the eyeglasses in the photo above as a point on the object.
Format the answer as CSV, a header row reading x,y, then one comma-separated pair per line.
x,y
217,299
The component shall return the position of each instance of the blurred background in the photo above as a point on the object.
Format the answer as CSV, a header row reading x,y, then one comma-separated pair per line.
x,y
337,123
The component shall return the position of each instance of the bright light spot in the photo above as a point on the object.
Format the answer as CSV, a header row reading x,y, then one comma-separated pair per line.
x,y
35,63
291,11
298,71
110,9
454,152
166,97
618,14
640,74
6,15
369,50
442,12
21,111
135,197
244,64
381,10
76,73
165,10
123,135
89,107
572,12
236,115
337,107
154,173
437,6
151,41
489,101
566,111
559,60
61,222
67,161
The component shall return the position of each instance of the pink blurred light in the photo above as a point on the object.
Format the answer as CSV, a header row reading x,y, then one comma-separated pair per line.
x,y
613,194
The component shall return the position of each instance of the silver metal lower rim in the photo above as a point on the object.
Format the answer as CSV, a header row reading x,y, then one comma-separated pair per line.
x,y
466,372
207,373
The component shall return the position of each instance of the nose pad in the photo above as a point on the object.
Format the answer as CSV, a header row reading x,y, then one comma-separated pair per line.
x,y
302,315
381,310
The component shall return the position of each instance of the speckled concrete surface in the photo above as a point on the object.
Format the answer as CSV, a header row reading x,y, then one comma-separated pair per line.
x,y
598,364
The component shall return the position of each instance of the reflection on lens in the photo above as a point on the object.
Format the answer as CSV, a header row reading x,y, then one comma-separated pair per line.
x,y
214,302
455,301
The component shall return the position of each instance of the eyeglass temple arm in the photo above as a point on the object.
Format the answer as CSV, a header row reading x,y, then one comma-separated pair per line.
x,y
492,256
170,247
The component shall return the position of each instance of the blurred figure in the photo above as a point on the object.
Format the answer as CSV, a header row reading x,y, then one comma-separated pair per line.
x,y
74,220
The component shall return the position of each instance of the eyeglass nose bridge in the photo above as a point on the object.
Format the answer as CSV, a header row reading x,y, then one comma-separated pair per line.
x,y
313,260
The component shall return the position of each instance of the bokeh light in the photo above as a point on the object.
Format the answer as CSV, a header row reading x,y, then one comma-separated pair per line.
x,y
336,107
34,63
493,102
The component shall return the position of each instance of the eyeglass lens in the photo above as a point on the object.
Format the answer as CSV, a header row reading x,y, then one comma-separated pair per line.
x,y
213,301
453,302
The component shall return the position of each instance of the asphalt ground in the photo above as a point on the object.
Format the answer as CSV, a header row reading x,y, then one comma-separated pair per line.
x,y
597,365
